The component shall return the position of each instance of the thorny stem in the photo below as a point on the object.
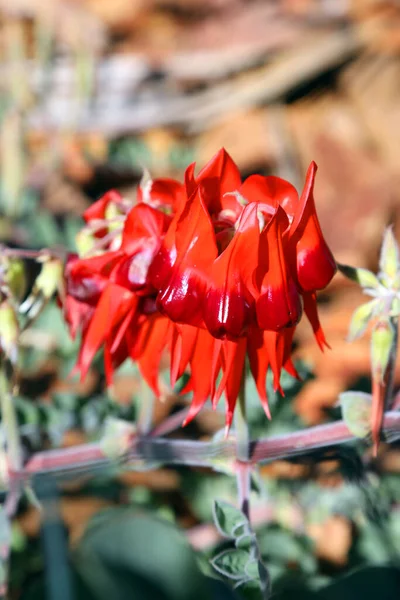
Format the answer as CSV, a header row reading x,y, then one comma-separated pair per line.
x,y
243,465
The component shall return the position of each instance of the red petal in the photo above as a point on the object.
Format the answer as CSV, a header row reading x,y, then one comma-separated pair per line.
x,y
185,270
98,209
152,340
143,224
228,304
288,365
165,193
76,314
235,354
112,307
182,347
201,369
315,265
259,362
311,310
278,304
271,191
219,177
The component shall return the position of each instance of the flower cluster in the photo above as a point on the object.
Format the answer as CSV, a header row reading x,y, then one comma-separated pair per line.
x,y
214,269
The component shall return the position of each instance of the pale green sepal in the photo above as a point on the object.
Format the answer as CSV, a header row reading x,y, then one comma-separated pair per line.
x,y
382,340
389,258
356,412
360,319
364,277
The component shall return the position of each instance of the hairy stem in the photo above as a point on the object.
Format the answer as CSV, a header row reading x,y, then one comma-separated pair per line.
x,y
88,458
243,465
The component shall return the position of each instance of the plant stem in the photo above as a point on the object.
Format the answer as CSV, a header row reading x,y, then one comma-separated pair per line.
x,y
146,409
88,458
33,254
243,465
241,425
12,437
389,397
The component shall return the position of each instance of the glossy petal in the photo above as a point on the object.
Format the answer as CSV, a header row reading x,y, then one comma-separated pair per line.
x,y
85,279
218,177
144,226
278,304
183,271
163,193
270,191
228,303
315,265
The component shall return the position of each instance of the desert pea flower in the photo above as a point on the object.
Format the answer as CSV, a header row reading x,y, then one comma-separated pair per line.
x,y
109,298
236,267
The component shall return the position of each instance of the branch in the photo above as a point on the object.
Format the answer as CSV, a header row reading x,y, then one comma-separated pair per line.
x,y
88,458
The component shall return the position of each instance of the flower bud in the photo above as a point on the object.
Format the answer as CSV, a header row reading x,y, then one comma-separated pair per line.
x,y
382,340
9,331
389,259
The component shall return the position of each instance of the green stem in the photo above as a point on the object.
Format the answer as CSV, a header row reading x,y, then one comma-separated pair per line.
x,y
13,441
10,424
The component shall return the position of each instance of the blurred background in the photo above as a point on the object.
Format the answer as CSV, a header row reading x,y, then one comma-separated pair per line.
x,y
91,91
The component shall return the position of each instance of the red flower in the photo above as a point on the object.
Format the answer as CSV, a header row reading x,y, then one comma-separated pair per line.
x,y
215,269
236,266
109,296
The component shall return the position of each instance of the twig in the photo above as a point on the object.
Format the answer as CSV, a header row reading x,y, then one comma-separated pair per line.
x,y
87,458
33,254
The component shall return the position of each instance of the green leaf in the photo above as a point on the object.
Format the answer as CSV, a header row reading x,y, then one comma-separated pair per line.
x,y
356,412
228,519
124,555
235,564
